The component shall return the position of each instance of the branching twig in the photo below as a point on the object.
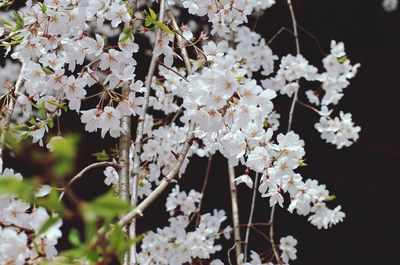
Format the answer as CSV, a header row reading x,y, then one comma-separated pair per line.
x,y
9,112
124,190
181,42
235,210
253,203
296,37
83,171
138,211
197,212
139,133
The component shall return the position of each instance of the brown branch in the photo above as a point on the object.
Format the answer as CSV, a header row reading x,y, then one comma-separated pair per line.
x,y
197,212
271,220
131,258
138,211
83,171
9,112
253,203
235,210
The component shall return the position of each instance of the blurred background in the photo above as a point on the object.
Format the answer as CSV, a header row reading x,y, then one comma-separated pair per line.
x,y
364,177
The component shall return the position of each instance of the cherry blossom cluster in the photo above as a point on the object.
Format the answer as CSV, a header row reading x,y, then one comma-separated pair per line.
x,y
225,15
390,5
52,55
338,131
20,224
277,163
174,244
232,110
338,71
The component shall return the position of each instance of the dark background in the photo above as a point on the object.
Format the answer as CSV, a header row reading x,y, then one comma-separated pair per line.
x,y
363,177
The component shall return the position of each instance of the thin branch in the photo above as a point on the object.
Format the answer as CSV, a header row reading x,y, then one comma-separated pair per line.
x,y
279,33
173,71
10,110
125,192
139,135
296,37
138,211
181,42
308,106
271,236
235,210
253,203
148,81
124,146
315,38
229,252
83,171
198,210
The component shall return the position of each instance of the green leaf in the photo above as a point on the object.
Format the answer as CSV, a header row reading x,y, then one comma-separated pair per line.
x,y
7,23
124,38
74,237
53,220
13,142
101,156
148,22
163,27
106,206
343,59
64,150
266,124
330,198
47,71
153,14
43,7
51,202
118,242
19,21
25,190
302,163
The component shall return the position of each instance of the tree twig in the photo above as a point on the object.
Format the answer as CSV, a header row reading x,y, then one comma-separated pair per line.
x,y
271,219
139,133
253,203
205,181
181,42
9,112
124,189
83,171
138,211
235,211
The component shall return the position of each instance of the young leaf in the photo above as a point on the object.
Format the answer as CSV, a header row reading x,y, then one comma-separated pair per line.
x,y
53,220
74,237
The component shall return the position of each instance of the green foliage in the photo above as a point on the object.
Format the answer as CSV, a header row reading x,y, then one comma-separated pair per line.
x,y
101,156
13,142
151,19
128,34
19,24
302,163
330,198
43,7
343,59
106,207
64,150
103,238
6,3
74,238
25,190
54,219
52,202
